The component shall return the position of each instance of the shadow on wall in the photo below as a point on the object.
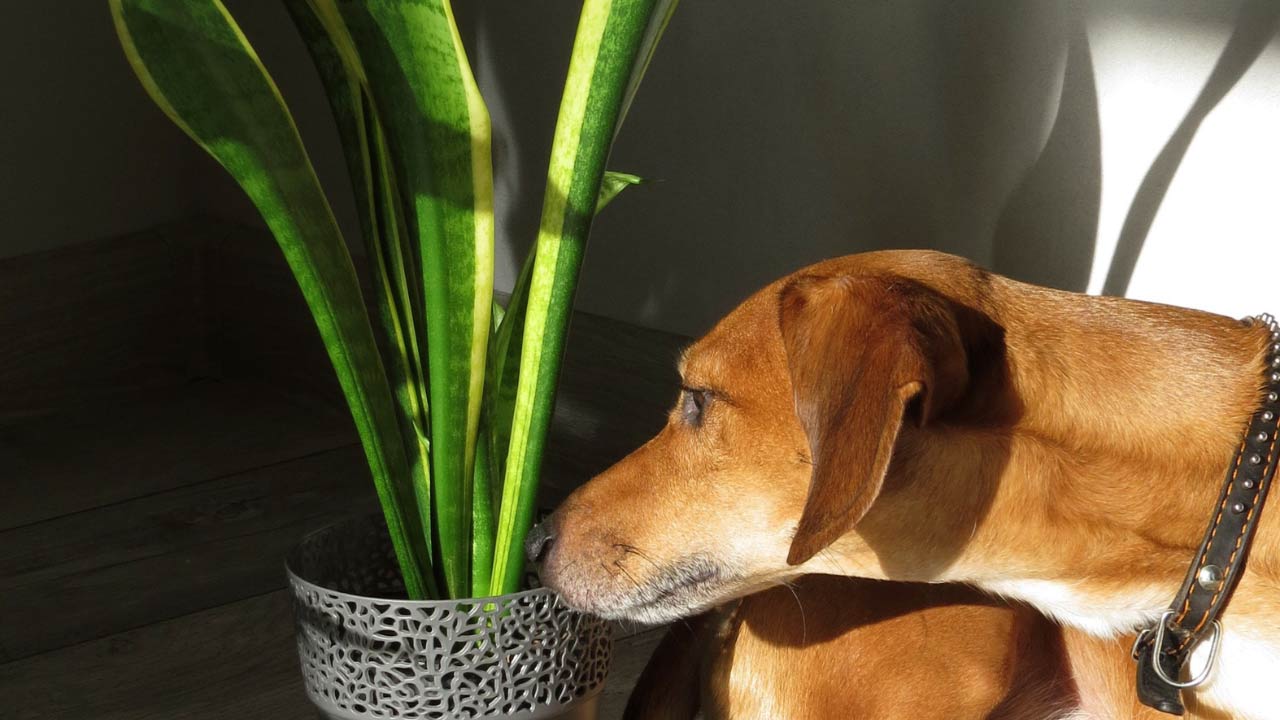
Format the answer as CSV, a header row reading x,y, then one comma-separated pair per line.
x,y
1048,230
519,52
791,132
1255,25
786,133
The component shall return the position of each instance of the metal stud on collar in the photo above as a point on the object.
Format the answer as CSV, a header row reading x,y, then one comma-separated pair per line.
x,y
1193,617
1209,577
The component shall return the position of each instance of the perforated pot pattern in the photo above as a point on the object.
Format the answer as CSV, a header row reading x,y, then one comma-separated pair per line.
x,y
367,652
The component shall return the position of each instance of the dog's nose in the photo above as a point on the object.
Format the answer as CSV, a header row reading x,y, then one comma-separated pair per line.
x,y
538,543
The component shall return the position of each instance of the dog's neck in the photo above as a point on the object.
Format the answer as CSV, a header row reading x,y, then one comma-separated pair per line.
x,y
1097,484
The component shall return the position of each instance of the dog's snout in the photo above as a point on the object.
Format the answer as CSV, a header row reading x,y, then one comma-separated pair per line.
x,y
538,543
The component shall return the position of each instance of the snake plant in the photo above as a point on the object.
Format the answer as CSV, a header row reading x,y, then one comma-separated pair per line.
x,y
454,404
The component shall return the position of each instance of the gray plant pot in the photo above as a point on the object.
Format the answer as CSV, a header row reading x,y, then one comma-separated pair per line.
x,y
368,653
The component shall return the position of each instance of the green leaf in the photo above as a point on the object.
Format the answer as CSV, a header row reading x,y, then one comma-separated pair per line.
x,y
483,513
498,313
395,292
198,67
399,306
613,46
438,135
503,368
613,184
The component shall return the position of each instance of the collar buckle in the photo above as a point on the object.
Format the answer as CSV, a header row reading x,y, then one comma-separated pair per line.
x,y
1215,638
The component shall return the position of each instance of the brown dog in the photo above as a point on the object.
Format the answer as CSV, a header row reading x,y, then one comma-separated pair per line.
x,y
831,648
834,648
907,415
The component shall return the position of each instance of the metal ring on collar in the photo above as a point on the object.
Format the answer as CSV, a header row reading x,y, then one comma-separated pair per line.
x,y
1208,668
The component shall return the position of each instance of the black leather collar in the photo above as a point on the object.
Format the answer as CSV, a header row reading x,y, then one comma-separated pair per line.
x,y
1162,650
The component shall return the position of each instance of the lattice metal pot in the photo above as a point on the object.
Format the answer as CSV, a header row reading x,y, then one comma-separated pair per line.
x,y
368,653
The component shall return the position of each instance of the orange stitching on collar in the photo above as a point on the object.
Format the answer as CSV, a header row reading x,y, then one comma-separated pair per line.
x,y
1217,522
1243,530
1262,489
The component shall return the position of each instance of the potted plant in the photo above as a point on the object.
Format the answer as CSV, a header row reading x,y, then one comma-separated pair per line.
x,y
453,404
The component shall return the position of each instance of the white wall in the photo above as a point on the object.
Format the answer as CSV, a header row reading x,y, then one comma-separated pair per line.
x,y
1018,134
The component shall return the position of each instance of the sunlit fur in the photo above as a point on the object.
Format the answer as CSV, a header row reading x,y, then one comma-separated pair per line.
x,y
1072,466
833,648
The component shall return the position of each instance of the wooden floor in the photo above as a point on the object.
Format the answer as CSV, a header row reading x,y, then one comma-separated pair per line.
x,y
143,524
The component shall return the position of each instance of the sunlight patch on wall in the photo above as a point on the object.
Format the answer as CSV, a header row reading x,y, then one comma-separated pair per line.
x,y
1214,243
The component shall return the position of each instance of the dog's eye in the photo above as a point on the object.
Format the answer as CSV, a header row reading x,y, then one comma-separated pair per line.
x,y
692,405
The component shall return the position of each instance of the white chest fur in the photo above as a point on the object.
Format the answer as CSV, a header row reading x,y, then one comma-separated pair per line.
x,y
1244,684
1104,616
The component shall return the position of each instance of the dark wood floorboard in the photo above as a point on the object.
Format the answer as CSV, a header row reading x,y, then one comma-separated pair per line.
x,y
89,575
98,317
234,661
160,439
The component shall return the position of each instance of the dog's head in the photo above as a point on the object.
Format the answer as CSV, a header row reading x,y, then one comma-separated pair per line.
x,y
779,443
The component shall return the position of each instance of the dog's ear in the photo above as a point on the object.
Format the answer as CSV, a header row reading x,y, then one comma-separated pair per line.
x,y
861,351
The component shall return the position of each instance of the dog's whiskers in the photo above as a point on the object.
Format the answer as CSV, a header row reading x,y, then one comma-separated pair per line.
x,y
804,624
835,561
570,566
618,564
633,550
